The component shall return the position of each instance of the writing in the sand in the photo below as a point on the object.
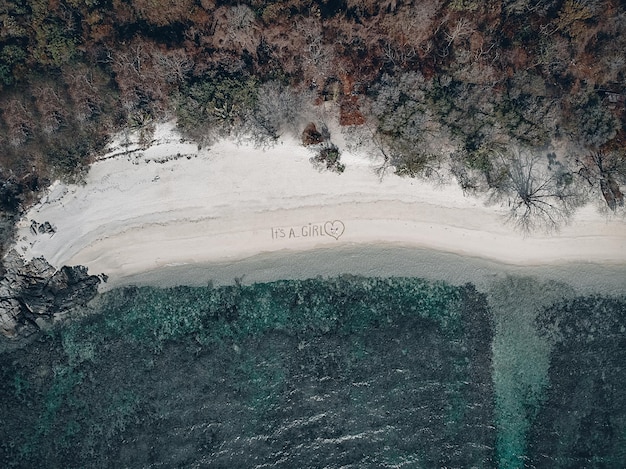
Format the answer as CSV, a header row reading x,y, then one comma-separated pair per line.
x,y
333,229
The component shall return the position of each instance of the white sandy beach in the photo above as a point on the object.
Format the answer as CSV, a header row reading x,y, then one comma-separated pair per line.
x,y
136,214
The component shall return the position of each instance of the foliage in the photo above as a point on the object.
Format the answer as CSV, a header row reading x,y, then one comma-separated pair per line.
x,y
217,106
528,112
403,122
328,157
11,57
592,123
279,109
464,5
414,73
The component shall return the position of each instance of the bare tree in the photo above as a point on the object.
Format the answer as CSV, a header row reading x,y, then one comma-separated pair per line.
x,y
317,55
407,33
279,109
145,75
461,29
173,65
539,191
604,171
85,90
399,55
235,28
402,125
50,106
163,12
19,121
132,71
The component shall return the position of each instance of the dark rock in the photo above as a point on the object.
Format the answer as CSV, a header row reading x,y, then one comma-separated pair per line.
x,y
310,135
33,290
69,285
42,228
48,228
10,310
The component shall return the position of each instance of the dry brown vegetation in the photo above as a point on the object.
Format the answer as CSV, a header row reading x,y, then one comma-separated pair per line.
x,y
509,70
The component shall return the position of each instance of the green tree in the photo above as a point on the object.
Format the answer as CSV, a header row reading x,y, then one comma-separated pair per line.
x,y
217,106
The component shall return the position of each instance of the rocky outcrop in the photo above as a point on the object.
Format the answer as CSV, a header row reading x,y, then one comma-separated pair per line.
x,y
34,291
311,136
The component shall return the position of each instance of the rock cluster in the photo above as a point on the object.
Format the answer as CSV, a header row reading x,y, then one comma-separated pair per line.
x,y
41,228
34,291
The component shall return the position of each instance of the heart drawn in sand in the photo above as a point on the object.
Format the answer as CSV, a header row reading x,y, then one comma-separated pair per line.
x,y
334,228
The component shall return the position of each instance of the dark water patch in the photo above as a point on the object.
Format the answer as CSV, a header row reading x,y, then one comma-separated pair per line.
x,y
351,372
582,422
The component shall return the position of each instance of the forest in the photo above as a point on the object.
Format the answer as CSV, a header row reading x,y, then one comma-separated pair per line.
x,y
478,91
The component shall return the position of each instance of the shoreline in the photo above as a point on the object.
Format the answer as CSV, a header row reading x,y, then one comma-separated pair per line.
x,y
378,261
175,206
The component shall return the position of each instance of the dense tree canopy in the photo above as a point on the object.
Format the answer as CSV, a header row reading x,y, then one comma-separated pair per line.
x,y
476,74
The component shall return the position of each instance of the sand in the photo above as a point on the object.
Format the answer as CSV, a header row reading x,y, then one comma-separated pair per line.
x,y
175,208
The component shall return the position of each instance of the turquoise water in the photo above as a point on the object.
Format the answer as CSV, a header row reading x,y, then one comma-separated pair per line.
x,y
341,372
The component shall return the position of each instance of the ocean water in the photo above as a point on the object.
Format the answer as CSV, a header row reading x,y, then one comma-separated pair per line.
x,y
349,371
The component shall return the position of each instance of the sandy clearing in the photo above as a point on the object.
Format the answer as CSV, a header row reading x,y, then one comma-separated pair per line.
x,y
232,202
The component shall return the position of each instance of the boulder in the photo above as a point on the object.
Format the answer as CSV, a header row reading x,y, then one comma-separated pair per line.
x,y
310,135
30,291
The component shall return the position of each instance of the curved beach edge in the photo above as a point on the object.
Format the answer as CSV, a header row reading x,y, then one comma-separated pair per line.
x,y
173,208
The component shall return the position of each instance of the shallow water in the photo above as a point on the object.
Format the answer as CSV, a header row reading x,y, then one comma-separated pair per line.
x,y
383,261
